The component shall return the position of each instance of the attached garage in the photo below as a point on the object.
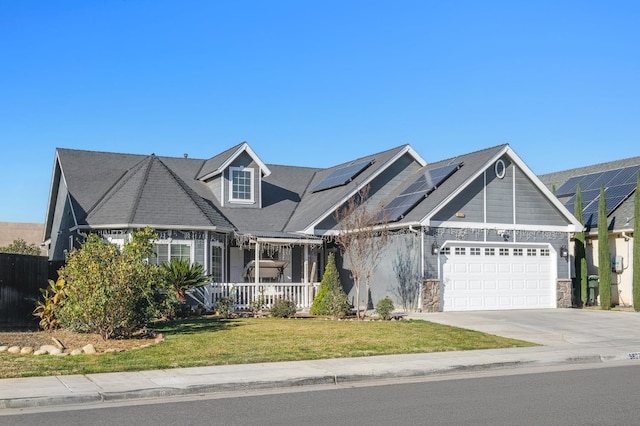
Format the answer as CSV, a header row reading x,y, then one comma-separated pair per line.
x,y
485,276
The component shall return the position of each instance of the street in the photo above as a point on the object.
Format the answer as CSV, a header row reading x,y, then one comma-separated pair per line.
x,y
579,396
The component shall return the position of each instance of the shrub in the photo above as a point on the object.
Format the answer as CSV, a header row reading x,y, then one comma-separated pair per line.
x,y
331,298
384,308
283,308
52,299
224,307
111,292
181,275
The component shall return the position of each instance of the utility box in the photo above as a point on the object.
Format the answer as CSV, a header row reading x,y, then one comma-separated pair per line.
x,y
593,282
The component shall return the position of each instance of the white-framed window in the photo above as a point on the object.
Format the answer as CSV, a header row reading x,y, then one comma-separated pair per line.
x,y
474,251
217,262
446,250
164,251
460,251
489,251
518,252
532,252
504,251
241,184
544,252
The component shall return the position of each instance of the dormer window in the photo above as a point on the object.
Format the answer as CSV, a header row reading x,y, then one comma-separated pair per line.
x,y
241,184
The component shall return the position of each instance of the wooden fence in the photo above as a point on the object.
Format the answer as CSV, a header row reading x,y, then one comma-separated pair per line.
x,y
21,278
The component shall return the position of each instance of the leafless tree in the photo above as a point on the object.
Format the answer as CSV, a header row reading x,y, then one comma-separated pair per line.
x,y
362,235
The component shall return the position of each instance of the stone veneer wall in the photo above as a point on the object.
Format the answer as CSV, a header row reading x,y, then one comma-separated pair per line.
x,y
431,296
564,294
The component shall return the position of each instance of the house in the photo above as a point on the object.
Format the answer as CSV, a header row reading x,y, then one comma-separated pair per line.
x,y
481,230
31,233
619,178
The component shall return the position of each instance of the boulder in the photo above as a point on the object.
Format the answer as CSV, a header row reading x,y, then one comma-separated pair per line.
x,y
48,348
55,351
14,350
40,352
3,348
76,352
26,350
89,349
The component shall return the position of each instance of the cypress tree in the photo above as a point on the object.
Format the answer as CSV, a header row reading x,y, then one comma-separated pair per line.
x,y
636,248
604,261
580,258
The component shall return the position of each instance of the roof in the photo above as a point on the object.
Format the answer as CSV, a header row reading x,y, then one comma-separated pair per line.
x,y
619,219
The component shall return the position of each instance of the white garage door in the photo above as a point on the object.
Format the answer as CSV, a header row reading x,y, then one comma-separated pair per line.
x,y
492,277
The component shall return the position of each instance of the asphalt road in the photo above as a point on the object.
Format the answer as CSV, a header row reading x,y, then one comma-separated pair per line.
x,y
591,396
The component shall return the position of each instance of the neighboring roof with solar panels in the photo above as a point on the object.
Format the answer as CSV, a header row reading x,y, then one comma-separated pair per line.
x,y
619,179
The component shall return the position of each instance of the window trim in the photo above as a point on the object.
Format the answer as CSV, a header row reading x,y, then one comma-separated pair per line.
x,y
251,171
170,242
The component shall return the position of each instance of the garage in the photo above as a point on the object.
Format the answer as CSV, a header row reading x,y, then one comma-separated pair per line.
x,y
477,276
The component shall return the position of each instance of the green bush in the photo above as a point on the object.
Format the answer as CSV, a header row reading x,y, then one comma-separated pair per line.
x,y
283,308
384,308
331,298
52,299
112,292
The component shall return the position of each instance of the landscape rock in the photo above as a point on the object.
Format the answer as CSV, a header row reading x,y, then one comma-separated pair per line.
x,y
40,352
4,348
76,352
49,348
55,351
14,350
26,350
89,349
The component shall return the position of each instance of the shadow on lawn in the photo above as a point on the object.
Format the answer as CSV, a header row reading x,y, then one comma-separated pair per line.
x,y
197,325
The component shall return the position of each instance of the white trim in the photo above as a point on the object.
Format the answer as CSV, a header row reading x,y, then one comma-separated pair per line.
x,y
244,147
310,229
149,225
171,241
252,190
495,226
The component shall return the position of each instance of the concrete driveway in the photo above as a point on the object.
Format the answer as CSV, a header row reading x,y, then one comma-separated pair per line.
x,y
550,327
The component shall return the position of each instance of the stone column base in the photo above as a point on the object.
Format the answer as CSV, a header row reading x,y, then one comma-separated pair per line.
x,y
564,294
431,296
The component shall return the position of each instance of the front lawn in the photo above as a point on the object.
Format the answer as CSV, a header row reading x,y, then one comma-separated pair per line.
x,y
213,341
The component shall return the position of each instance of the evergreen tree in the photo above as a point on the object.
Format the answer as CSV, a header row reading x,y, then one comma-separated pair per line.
x,y
604,261
579,253
331,298
636,248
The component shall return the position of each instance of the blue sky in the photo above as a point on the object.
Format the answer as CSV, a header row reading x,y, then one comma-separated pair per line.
x,y
313,83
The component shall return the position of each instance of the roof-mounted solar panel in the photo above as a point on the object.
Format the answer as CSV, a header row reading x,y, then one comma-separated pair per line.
x,y
424,185
342,176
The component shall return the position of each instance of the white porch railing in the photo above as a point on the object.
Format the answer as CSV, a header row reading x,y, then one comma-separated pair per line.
x,y
242,295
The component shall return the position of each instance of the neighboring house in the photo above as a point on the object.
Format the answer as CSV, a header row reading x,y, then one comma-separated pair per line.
x,y
29,232
619,179
481,228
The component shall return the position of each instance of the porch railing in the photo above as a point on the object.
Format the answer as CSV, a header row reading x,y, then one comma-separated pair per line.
x,y
242,295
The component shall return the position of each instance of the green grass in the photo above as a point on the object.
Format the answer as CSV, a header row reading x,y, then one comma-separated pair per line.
x,y
211,341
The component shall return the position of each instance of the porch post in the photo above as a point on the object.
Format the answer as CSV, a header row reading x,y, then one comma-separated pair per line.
x,y
256,271
305,276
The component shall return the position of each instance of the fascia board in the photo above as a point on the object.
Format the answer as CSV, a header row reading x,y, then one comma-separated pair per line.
x,y
575,226
310,229
242,148
150,225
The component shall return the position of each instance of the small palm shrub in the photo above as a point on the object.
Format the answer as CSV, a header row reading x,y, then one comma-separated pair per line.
x,y
384,308
283,308
181,275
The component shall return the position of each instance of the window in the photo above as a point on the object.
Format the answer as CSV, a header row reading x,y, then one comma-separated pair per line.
x,y
165,251
216,262
544,252
241,184
490,251
474,251
446,250
460,251
518,252
532,252
504,252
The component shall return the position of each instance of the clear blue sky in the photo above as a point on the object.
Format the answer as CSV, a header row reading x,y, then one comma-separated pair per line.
x,y
313,83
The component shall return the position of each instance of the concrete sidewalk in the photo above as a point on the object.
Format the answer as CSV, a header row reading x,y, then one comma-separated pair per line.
x,y
75,389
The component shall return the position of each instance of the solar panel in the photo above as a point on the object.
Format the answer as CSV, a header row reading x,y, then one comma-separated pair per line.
x,y
416,192
569,187
342,176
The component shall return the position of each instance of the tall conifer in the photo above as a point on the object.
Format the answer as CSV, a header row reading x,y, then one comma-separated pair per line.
x,y
604,261
579,253
636,248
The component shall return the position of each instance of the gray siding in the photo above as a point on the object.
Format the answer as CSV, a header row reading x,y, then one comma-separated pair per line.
x,y
532,206
243,160
62,222
500,195
470,202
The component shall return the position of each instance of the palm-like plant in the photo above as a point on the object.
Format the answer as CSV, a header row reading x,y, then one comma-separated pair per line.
x,y
182,275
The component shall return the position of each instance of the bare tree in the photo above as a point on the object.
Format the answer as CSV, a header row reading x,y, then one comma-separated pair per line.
x,y
362,236
407,268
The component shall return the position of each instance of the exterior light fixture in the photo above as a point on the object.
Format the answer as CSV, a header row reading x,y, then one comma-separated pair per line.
x,y
564,252
434,248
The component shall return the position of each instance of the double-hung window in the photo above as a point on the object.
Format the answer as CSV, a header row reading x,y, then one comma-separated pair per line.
x,y
164,251
241,184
